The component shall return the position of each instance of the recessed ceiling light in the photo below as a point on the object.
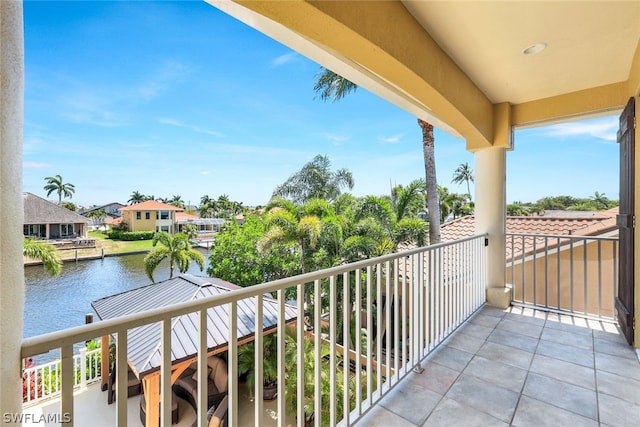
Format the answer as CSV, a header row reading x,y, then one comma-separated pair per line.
x,y
534,48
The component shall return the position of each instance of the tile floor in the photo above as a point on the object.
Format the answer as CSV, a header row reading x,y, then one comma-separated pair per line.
x,y
520,367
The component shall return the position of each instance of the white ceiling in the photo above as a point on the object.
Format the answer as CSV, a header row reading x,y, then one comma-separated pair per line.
x,y
589,43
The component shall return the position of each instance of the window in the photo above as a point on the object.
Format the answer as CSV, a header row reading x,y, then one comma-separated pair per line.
x,y
66,230
147,215
34,230
164,214
138,215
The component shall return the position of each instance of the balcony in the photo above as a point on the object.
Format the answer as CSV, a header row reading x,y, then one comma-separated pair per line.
x,y
403,339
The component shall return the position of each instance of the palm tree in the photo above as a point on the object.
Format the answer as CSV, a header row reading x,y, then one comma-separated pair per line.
x,y
177,248
330,85
176,201
405,200
70,206
55,184
433,206
289,224
97,216
43,252
446,202
208,207
315,181
463,174
191,231
136,197
517,209
600,200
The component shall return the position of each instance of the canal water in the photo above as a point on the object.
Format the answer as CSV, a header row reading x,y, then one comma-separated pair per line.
x,y
55,303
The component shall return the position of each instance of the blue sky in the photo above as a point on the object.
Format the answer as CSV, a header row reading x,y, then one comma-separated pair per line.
x,y
177,98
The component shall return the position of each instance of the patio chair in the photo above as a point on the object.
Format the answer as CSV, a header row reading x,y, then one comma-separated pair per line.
x,y
186,387
217,415
134,386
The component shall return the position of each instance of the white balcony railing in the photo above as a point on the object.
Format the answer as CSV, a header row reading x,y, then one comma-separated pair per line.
x,y
42,381
377,320
577,275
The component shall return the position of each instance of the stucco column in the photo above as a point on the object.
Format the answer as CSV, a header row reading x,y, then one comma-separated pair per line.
x,y
490,217
11,201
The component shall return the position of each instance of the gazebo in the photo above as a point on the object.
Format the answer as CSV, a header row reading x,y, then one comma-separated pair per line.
x,y
143,343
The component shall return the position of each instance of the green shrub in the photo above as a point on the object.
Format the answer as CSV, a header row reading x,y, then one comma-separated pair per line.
x,y
130,235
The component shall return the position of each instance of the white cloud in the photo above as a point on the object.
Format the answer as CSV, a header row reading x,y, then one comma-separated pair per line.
x,y
393,139
168,74
605,128
177,123
284,59
35,165
336,139
91,108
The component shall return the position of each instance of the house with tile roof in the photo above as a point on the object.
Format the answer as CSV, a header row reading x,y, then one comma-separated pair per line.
x,y
46,220
575,249
150,215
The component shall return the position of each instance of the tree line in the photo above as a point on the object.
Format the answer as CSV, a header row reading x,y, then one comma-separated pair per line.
x,y
597,202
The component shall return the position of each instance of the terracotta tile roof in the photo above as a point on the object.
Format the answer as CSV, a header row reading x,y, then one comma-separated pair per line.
x,y
150,205
457,229
552,223
561,223
115,221
185,216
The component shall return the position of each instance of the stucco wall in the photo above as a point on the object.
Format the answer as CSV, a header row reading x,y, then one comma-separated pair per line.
x,y
585,284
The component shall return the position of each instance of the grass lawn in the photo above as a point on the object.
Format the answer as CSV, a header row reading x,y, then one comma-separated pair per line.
x,y
119,246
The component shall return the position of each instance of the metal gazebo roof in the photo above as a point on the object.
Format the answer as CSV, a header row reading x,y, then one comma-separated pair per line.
x,y
144,342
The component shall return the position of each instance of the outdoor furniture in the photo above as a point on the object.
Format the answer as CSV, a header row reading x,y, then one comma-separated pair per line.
x,y
186,387
217,415
174,409
134,387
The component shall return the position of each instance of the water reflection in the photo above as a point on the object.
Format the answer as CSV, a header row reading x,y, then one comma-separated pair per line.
x,y
54,303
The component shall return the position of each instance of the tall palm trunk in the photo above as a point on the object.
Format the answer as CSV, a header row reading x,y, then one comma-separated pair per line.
x,y
433,205
303,267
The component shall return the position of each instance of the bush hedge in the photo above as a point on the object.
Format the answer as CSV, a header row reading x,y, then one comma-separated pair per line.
x,y
130,235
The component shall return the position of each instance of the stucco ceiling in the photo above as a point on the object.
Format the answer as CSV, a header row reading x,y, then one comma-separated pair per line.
x,y
478,35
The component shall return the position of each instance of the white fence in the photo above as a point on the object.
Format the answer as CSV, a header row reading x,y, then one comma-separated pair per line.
x,y
41,382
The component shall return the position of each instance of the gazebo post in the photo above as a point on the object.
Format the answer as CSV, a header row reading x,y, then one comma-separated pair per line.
x,y
104,365
151,387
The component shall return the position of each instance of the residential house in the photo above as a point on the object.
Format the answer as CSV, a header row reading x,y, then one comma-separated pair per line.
x,y
111,209
205,226
150,215
46,220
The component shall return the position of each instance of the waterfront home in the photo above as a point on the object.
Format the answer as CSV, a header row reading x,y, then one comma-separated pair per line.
x,y
206,227
150,215
46,220
112,211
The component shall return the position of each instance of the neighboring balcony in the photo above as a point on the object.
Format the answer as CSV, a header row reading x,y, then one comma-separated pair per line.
x,y
405,339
